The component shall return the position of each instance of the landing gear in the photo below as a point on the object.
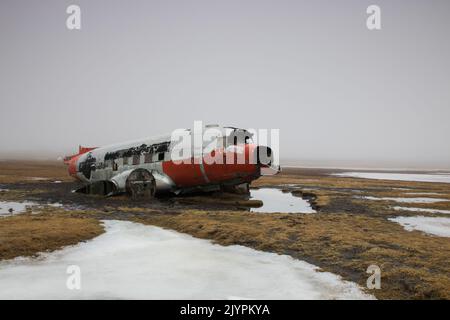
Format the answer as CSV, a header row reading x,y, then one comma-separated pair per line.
x,y
141,184
99,188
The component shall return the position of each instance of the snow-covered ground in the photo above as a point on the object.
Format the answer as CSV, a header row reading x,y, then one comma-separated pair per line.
x,y
21,207
37,179
134,261
421,210
17,207
274,200
408,200
424,193
444,178
432,225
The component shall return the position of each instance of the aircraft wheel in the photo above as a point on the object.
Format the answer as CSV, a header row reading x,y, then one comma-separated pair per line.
x,y
141,184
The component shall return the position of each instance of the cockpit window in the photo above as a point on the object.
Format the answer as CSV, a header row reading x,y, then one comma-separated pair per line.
x,y
238,136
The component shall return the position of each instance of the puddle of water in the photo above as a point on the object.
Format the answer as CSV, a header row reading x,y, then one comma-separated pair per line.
x,y
134,261
275,200
17,207
422,210
443,178
432,225
408,200
21,207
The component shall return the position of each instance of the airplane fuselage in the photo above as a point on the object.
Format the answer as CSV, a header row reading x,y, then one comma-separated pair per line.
x,y
107,169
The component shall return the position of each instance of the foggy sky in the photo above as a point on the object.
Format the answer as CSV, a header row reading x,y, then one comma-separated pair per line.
x,y
338,92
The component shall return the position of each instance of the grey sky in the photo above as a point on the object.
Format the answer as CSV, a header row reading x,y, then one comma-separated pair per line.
x,y
338,92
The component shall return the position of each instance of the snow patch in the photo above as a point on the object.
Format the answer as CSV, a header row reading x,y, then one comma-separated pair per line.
x,y
432,225
442,178
424,193
408,200
134,261
37,179
421,210
8,208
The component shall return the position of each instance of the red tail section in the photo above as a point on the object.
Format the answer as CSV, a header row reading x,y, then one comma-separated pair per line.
x,y
81,150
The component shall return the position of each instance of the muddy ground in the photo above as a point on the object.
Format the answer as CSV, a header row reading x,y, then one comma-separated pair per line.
x,y
345,236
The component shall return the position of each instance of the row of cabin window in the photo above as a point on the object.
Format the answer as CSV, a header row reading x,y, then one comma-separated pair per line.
x,y
136,160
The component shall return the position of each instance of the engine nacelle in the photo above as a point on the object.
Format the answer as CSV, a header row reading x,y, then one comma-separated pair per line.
x,y
138,183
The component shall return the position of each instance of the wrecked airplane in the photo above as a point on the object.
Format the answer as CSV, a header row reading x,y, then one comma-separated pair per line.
x,y
228,160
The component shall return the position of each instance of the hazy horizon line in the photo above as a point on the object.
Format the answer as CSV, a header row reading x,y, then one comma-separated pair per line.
x,y
353,164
